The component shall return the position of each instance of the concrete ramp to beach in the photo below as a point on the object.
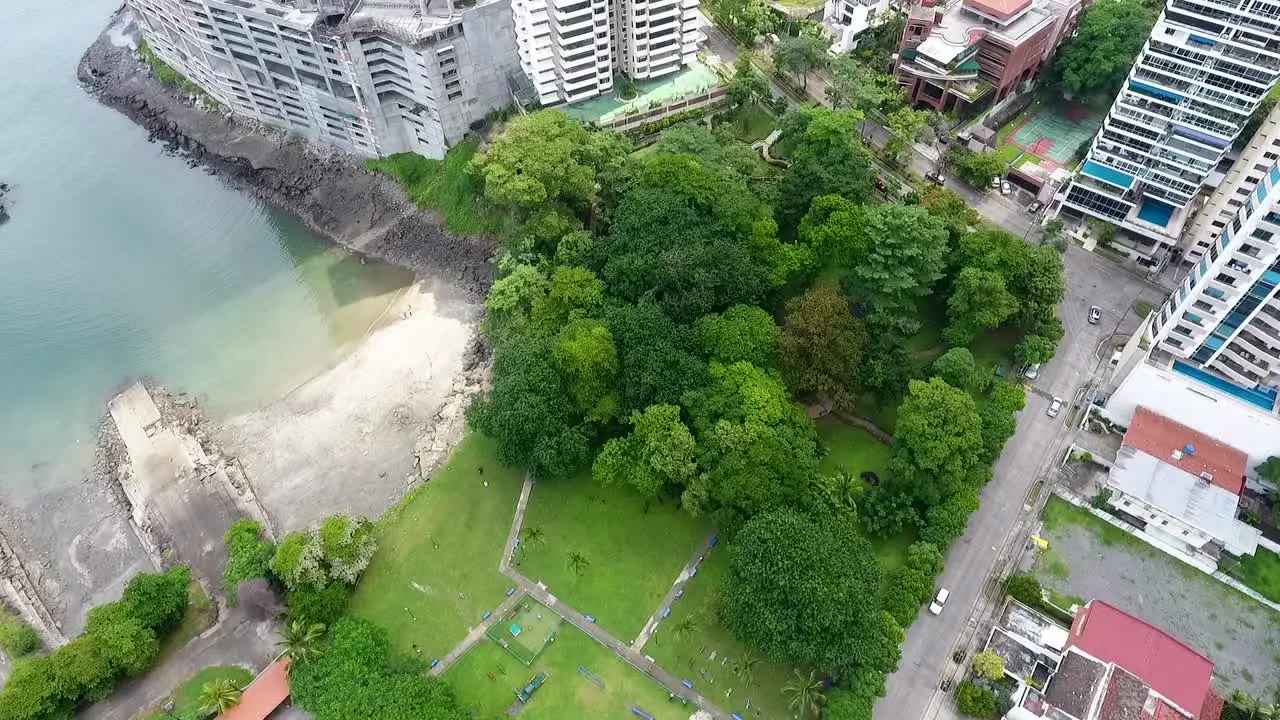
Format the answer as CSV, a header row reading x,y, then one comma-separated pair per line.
x,y
182,502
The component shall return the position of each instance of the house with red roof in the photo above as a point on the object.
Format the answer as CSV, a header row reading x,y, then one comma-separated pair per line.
x,y
1182,488
1118,667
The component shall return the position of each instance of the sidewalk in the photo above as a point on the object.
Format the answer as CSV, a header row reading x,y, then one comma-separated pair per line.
x,y
677,588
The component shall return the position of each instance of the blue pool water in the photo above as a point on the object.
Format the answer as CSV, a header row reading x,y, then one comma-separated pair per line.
x,y
1155,212
1106,174
1264,398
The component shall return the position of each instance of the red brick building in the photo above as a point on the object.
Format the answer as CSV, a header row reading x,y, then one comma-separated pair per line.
x,y
969,52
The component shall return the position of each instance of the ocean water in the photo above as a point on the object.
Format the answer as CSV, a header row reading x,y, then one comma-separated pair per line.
x,y
120,262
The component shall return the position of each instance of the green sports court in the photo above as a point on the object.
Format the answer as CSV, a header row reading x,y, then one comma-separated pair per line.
x,y
1053,132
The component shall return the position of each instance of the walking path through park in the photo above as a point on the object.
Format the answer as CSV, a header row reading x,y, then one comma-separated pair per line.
x,y
476,634
677,590
631,655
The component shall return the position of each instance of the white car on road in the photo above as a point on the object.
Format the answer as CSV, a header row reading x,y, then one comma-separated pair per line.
x,y
935,607
1054,407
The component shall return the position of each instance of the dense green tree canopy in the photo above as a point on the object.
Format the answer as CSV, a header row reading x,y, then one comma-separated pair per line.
x,y
855,85
892,254
1096,60
957,367
980,301
937,442
912,585
682,237
588,361
952,210
659,452
742,332
804,590
357,676
822,345
1032,273
574,293
800,55
747,85
659,359
999,417
828,160
539,158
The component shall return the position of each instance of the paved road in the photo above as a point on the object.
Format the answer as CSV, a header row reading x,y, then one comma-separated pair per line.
x,y
1038,441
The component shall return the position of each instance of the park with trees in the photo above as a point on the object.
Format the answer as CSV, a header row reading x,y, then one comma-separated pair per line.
x,y
665,327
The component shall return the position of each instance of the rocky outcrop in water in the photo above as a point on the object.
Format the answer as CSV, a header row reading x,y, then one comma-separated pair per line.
x,y
330,191
4,207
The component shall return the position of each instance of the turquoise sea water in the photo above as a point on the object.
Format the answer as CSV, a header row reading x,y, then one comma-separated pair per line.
x,y
120,261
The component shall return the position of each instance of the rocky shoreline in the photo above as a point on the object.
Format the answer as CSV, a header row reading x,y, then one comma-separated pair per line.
x,y
331,192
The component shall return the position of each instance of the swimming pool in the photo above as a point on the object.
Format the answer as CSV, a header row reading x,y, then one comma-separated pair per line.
x,y
1264,398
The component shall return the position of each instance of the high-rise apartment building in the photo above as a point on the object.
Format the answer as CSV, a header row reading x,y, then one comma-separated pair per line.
x,y
373,78
377,77
1242,179
572,49
1225,316
1204,69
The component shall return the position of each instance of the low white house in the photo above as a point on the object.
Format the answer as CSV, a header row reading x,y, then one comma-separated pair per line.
x,y
1183,485
849,19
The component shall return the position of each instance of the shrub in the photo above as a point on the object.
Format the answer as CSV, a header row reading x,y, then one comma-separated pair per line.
x,y
1024,588
336,551
120,641
248,556
988,665
319,605
17,638
976,701
1101,498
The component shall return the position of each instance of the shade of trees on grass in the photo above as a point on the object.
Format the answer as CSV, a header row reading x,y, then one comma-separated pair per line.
x,y
120,640
356,675
1097,58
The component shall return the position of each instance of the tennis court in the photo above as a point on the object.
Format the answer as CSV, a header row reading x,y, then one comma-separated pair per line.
x,y
1054,132
527,630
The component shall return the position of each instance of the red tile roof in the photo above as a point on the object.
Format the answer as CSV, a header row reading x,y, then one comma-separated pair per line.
x,y
1002,9
1168,666
264,694
1158,436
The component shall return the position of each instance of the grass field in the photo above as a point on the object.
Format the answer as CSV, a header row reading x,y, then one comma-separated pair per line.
x,y
635,549
186,698
446,187
850,449
566,693
1260,571
436,570
751,122
686,639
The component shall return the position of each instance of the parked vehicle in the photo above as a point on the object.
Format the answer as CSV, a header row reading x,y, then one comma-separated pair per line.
x,y
1032,371
935,607
1095,314
995,183
1005,187
1055,407
933,177
1035,207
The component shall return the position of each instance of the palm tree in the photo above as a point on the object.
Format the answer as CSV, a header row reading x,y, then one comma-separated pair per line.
x,y
842,488
300,642
747,670
804,693
219,696
1253,708
577,562
533,536
684,628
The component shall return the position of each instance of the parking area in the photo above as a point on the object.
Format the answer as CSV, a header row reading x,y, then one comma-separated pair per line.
x,y
1089,559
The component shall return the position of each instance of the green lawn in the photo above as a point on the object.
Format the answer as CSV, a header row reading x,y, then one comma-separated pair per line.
x,y
1260,571
446,187
436,570
1008,153
686,639
566,693
850,449
751,122
635,549
186,698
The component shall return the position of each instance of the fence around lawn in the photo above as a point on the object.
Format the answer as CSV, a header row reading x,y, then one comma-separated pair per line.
x,y
633,121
